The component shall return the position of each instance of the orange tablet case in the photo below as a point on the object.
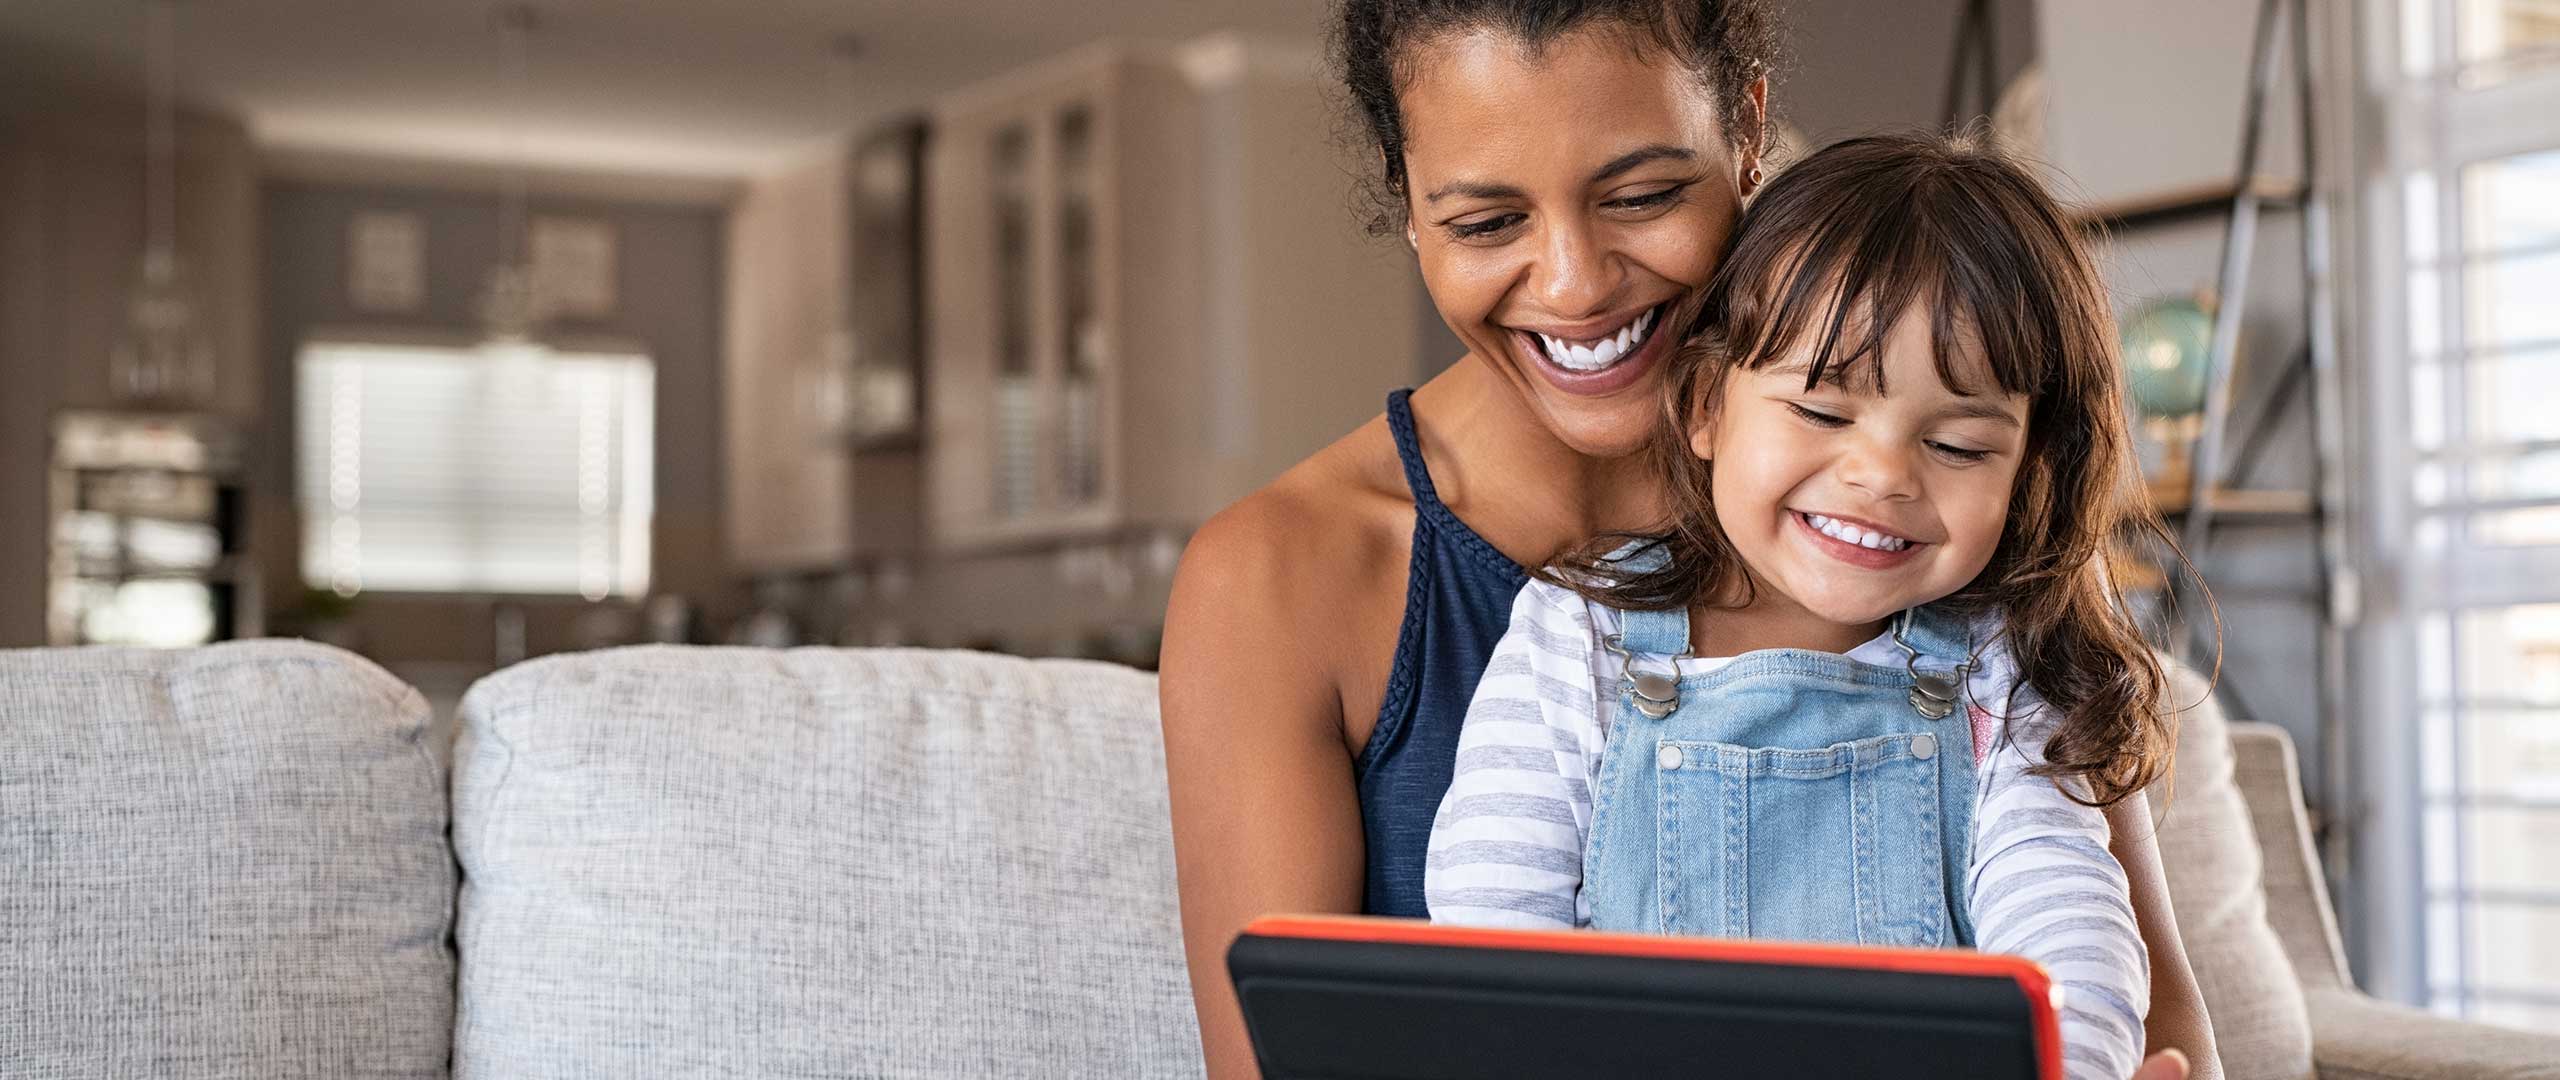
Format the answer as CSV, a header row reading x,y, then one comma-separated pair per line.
x,y
1340,996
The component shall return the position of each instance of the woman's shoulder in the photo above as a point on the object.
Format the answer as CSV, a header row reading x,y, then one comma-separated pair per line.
x,y
1316,539
1341,502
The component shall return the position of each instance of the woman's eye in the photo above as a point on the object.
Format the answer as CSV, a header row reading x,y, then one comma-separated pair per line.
x,y
1960,454
1650,200
1479,229
1817,417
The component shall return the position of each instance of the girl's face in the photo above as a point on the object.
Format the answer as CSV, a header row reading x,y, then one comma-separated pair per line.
x,y
1852,505
1558,204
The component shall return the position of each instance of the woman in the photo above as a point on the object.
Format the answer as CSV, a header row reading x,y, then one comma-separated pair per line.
x,y
1563,171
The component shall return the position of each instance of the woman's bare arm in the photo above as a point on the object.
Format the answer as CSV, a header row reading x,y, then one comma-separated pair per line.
x,y
2177,1007
1266,817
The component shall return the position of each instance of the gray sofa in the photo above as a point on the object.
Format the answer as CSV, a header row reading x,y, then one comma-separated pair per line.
x,y
254,860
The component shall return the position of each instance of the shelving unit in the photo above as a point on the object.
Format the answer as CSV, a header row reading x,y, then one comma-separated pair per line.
x,y
149,531
2188,204
2215,492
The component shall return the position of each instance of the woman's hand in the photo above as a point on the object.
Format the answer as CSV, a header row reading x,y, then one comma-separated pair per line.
x,y
2165,1065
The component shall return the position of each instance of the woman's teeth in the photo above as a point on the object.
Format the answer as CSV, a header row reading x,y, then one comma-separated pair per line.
x,y
1851,534
1594,355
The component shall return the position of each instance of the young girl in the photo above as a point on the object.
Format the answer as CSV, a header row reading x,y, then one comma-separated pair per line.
x,y
1871,685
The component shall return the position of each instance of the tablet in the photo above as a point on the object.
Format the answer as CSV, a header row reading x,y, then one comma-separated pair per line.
x,y
1397,999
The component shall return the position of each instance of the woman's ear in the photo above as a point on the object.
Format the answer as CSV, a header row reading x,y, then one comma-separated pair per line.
x,y
1752,176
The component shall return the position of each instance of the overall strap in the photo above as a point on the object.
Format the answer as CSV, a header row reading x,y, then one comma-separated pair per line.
x,y
1940,637
1659,633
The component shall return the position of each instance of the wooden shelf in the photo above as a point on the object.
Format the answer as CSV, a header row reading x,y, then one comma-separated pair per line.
x,y
2179,204
2172,500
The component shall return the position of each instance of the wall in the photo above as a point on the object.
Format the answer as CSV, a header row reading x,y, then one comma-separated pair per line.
x,y
669,303
71,234
1856,66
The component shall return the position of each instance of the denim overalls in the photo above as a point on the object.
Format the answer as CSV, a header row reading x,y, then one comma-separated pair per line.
x,y
1791,794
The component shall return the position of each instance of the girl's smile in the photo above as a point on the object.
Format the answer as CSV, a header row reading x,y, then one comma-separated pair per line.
x,y
1858,543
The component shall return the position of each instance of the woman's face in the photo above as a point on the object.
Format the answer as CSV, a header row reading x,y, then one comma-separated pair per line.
x,y
1559,203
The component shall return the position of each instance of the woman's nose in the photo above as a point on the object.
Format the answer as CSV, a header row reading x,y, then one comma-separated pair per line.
x,y
1576,276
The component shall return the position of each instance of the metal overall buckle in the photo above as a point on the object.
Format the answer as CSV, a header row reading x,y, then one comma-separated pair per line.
x,y
1932,696
1656,695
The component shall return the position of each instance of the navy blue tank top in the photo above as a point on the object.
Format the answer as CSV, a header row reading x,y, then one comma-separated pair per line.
x,y
1457,603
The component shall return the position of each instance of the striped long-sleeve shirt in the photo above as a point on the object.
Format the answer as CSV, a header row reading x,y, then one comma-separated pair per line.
x,y
1506,848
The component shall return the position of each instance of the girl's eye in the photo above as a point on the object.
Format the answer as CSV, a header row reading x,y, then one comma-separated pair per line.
x,y
1652,199
1960,454
1818,418
1479,229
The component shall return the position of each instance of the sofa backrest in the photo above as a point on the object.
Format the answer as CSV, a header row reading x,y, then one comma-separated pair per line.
x,y
220,864
736,862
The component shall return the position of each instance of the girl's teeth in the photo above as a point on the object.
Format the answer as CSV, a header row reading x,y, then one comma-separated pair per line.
x,y
1851,534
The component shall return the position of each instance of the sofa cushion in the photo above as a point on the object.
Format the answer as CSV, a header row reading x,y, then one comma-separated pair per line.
x,y
736,862
2210,853
220,862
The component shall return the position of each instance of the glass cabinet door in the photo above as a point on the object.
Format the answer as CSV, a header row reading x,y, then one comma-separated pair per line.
x,y
1016,408
1081,337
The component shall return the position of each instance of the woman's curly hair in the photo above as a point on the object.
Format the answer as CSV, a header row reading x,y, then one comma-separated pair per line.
x,y
1730,44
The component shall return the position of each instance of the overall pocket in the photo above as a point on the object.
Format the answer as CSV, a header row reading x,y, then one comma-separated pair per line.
x,y
1838,844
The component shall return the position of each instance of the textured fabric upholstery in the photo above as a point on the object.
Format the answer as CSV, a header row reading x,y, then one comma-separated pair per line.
x,y
226,862
2209,849
735,862
2264,768
2358,1038
2354,1037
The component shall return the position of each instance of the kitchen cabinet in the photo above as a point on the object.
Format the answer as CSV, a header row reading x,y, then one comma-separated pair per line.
x,y
1147,292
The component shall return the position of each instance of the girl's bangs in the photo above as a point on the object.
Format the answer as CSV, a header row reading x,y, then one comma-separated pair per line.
x,y
1832,298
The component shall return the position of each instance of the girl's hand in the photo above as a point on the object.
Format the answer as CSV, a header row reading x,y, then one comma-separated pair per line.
x,y
2165,1065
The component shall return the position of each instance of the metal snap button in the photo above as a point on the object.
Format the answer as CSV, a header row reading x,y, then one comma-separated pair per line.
x,y
1924,746
1669,757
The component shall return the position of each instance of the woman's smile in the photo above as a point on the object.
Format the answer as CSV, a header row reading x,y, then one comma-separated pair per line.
x,y
1578,362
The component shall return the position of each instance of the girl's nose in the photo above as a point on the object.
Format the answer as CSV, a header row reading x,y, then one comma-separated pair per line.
x,y
1881,472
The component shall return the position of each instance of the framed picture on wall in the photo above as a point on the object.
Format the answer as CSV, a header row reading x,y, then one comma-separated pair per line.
x,y
386,262
884,343
573,266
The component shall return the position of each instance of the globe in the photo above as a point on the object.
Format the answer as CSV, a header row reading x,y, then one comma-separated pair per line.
x,y
2167,344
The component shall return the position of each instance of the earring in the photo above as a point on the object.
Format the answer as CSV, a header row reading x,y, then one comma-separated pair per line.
x,y
1412,241
1754,176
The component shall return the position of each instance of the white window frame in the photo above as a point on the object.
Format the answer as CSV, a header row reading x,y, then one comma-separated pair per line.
x,y
2407,124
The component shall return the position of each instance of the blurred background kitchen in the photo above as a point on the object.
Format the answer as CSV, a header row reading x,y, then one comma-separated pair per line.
x,y
456,334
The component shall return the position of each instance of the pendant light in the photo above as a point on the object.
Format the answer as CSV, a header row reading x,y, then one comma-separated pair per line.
x,y
510,310
163,358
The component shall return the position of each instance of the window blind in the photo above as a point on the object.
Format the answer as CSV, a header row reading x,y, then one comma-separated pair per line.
x,y
452,470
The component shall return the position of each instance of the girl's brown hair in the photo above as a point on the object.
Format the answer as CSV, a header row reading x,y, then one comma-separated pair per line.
x,y
1832,252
